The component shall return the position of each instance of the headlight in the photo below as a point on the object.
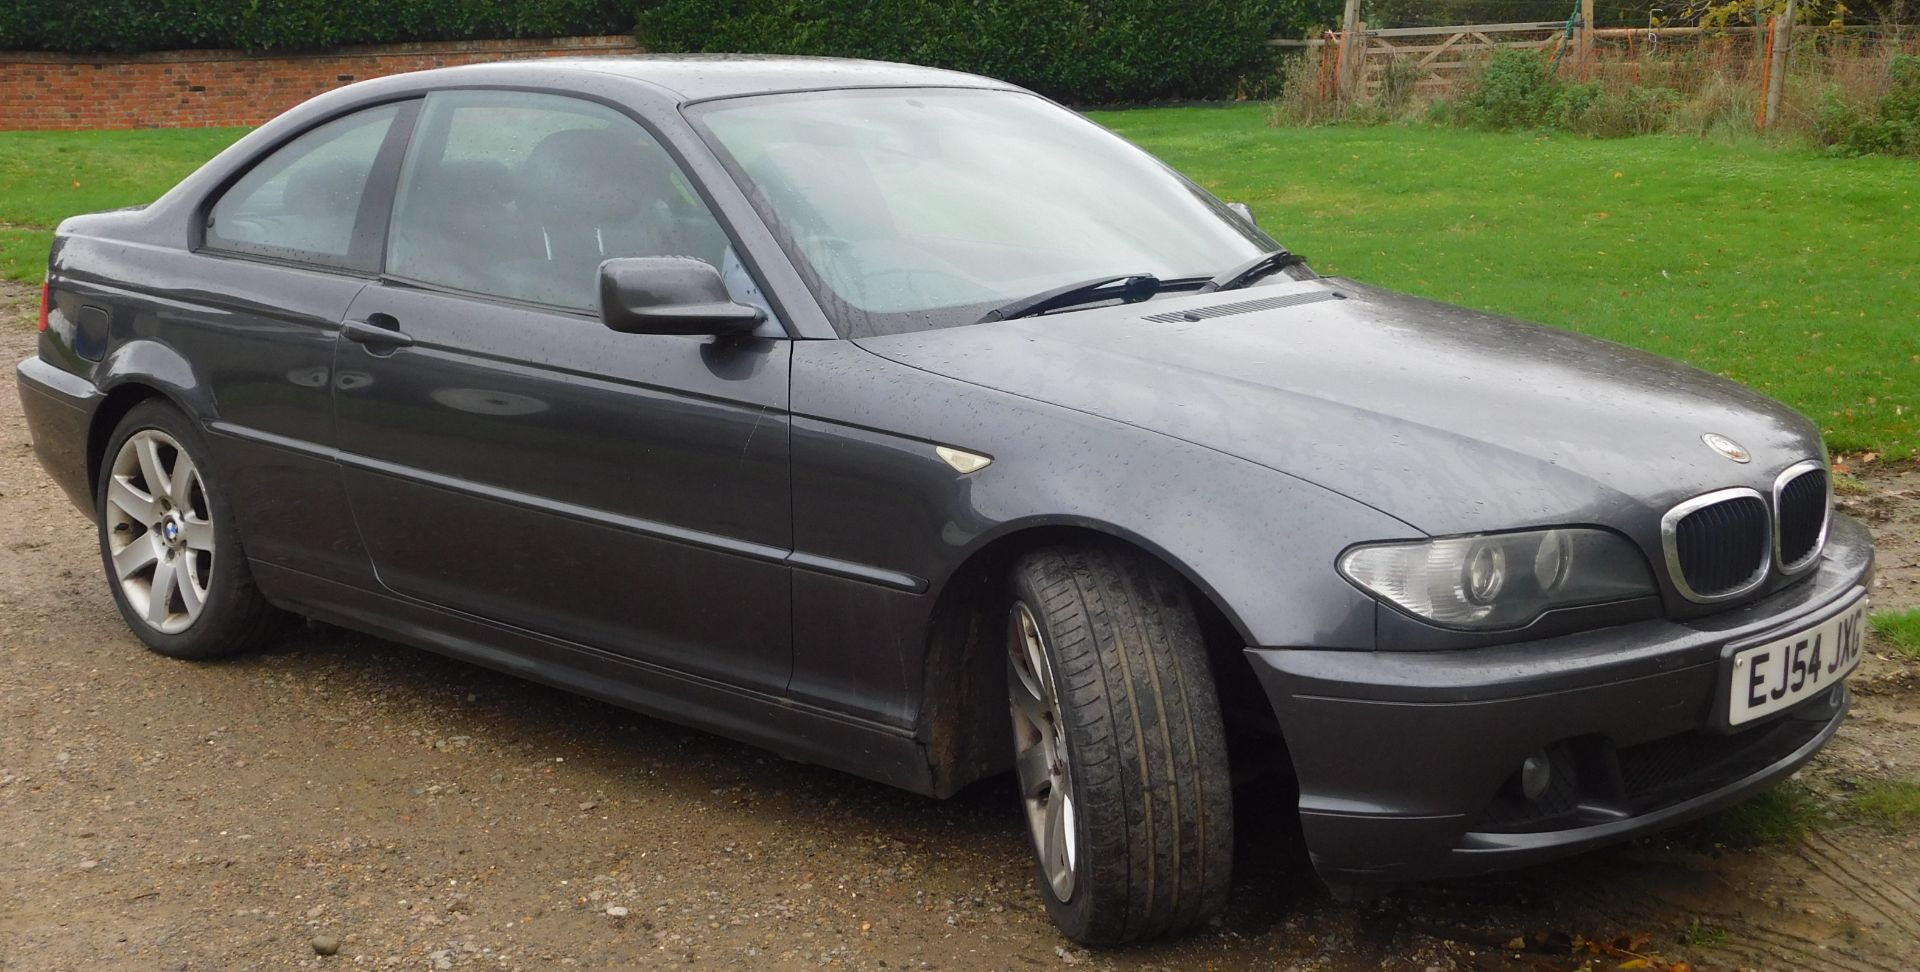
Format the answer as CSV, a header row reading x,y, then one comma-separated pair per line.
x,y
1500,580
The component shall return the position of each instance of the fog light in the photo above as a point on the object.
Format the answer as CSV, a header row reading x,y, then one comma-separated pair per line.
x,y
1536,774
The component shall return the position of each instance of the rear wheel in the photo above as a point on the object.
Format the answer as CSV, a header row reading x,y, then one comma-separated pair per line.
x,y
167,542
1118,745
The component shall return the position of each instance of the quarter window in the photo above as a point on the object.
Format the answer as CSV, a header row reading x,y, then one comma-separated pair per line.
x,y
522,196
302,203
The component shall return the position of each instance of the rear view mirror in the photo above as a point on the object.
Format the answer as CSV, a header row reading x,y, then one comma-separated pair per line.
x,y
670,295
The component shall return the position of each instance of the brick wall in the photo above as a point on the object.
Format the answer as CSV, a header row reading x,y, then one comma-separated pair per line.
x,y
171,89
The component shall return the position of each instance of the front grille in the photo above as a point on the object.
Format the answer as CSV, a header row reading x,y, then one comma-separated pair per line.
x,y
1800,508
1718,545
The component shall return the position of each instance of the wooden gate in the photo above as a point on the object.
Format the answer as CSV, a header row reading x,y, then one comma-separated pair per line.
x,y
1439,55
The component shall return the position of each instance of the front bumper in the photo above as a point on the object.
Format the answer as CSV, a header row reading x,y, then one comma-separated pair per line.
x,y
1406,760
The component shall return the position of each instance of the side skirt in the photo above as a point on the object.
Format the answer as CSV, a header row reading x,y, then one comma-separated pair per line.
x,y
793,730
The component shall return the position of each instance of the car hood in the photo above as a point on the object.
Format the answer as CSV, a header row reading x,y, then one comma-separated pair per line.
x,y
1451,420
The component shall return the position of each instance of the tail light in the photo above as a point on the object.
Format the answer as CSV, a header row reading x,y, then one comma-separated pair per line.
x,y
46,298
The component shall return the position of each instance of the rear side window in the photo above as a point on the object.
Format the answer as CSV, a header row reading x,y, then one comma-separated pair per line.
x,y
522,195
302,203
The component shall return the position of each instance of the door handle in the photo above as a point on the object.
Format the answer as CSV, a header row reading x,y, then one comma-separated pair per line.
x,y
377,331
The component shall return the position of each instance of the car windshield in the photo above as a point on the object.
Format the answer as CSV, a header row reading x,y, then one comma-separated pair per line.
x,y
917,208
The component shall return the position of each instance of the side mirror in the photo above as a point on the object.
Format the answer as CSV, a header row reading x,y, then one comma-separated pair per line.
x,y
670,295
1245,212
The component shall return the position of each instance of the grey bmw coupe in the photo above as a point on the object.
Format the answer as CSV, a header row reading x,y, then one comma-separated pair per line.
x,y
904,422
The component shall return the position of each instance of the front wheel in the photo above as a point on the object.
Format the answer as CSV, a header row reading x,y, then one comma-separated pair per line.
x,y
1118,745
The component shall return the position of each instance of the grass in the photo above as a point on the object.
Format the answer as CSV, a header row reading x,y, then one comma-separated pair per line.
x,y
1794,273
1778,815
1847,485
1698,935
47,176
1900,627
1891,802
23,253
1789,271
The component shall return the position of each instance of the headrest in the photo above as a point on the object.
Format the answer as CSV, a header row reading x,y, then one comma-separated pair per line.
x,y
592,175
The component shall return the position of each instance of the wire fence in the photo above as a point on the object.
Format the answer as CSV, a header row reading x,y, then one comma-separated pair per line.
x,y
1608,81
1717,77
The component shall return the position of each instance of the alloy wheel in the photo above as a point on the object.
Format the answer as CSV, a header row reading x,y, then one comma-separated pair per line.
x,y
159,531
1040,751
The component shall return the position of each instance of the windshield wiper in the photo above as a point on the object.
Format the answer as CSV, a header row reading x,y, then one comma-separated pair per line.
x,y
1252,270
1125,288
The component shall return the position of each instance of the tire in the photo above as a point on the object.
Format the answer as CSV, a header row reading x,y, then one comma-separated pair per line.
x,y
182,540
1104,650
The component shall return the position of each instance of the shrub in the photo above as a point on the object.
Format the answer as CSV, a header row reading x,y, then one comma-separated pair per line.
x,y
1397,83
1083,51
1836,122
1571,104
1889,127
1630,111
1300,102
1088,51
125,26
1517,89
1900,109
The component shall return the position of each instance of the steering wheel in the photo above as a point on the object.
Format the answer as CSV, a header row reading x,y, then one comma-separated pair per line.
x,y
871,264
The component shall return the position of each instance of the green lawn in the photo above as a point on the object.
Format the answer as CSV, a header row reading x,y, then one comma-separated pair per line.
x,y
1789,271
48,176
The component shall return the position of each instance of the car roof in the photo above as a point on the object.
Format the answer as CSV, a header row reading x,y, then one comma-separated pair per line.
x,y
699,77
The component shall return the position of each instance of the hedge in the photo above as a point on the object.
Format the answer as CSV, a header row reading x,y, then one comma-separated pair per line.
x,y
127,26
1081,51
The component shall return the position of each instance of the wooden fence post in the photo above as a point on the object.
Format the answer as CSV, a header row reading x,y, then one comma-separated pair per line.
x,y
1586,34
1349,34
1777,66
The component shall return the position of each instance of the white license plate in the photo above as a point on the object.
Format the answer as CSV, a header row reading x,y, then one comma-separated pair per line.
x,y
1783,673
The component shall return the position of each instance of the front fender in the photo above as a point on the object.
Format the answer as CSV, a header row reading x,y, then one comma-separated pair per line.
x,y
1261,544
908,536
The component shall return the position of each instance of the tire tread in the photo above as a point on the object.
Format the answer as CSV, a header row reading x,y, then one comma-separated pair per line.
x,y
1146,742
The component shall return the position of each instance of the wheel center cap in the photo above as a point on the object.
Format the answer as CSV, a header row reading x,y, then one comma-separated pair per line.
x,y
170,529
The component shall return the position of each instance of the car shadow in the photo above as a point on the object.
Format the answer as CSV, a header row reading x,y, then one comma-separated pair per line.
x,y
1276,893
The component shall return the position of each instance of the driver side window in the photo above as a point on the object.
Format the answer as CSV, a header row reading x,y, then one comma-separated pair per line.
x,y
302,203
523,195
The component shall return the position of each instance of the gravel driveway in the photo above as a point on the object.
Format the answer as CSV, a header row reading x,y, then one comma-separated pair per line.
x,y
342,793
